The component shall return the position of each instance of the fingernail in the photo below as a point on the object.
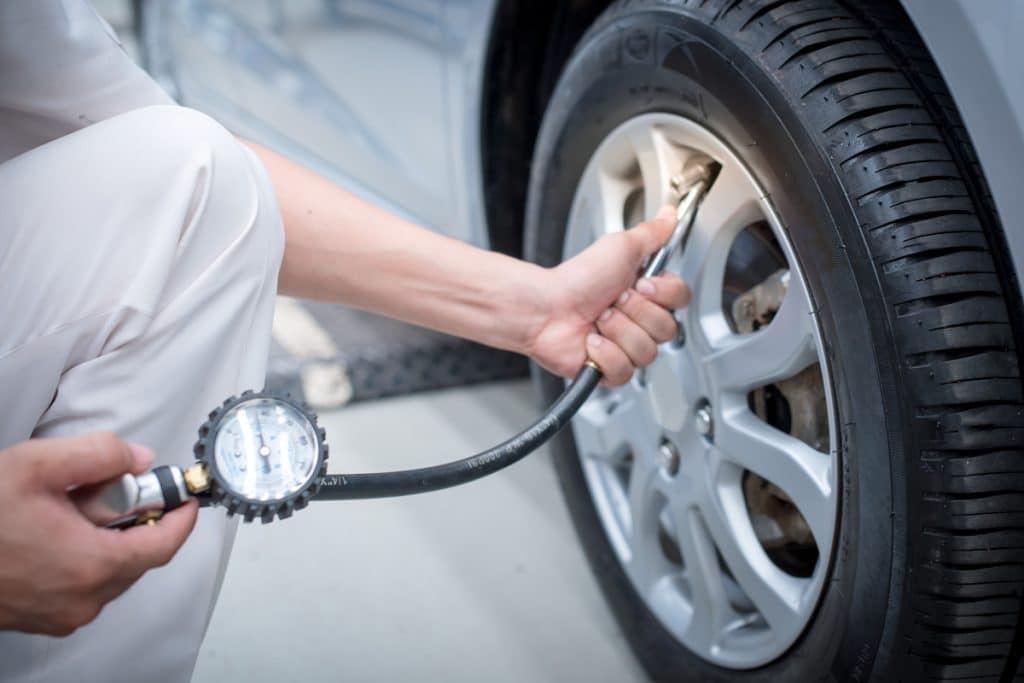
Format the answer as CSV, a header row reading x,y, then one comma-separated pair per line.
x,y
623,297
594,340
666,212
142,455
605,314
645,286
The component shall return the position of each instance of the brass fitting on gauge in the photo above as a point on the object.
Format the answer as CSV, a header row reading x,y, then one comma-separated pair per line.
x,y
197,479
149,517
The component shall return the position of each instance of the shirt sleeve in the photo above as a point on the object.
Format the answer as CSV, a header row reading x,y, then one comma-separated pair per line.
x,y
62,68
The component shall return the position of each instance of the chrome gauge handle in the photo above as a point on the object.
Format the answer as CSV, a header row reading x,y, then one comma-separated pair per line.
x,y
137,499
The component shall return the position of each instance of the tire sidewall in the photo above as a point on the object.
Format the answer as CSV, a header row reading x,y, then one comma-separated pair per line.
x,y
669,60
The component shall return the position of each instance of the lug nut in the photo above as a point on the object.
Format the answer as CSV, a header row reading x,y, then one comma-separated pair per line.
x,y
669,457
704,421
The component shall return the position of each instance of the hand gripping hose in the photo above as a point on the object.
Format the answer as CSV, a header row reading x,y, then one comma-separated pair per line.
x,y
697,178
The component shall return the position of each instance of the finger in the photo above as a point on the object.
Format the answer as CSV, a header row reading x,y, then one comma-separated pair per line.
x,y
615,366
667,290
647,237
78,460
628,336
655,320
143,458
142,548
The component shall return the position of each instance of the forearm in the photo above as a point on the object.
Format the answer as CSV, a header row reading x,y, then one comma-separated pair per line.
x,y
341,248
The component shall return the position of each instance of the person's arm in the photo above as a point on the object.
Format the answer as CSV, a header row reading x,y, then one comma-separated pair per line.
x,y
341,248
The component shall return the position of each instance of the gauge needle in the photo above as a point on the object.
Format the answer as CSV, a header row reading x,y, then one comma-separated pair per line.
x,y
264,451
259,431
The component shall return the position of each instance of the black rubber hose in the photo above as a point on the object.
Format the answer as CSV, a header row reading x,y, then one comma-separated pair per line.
x,y
408,482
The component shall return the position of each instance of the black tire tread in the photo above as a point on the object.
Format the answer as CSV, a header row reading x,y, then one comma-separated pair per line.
x,y
925,231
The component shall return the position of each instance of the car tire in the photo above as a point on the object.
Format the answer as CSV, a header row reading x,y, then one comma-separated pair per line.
x,y
837,110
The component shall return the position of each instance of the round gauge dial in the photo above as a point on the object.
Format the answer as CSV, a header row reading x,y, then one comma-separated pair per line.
x,y
265,450
264,453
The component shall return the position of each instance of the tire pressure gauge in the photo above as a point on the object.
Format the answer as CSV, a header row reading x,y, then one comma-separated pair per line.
x,y
259,455
264,454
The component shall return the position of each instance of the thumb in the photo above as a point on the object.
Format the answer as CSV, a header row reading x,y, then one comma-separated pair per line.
x,y
650,235
85,459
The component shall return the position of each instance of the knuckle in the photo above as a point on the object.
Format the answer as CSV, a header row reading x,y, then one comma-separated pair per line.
x,y
164,554
106,442
666,328
35,466
88,575
622,370
84,612
74,616
648,353
683,294
61,627
113,447
130,557
665,333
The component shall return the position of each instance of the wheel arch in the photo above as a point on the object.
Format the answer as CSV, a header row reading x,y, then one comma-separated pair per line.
x,y
528,45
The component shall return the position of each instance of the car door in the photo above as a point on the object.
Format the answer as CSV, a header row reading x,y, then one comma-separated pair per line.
x,y
354,88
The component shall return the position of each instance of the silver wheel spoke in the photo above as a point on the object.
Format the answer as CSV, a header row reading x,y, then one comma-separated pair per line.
x,y
647,565
596,210
742,362
612,425
668,379
775,593
710,604
658,161
730,205
796,468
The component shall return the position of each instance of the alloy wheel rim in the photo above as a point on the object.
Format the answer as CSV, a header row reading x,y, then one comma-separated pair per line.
x,y
688,537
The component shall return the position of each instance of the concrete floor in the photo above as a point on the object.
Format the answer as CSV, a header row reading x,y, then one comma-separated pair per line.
x,y
481,583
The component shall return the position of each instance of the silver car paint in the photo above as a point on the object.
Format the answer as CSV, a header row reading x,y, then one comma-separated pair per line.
x,y
978,48
379,95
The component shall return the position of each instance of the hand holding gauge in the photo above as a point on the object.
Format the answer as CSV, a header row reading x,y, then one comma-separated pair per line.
x,y
263,454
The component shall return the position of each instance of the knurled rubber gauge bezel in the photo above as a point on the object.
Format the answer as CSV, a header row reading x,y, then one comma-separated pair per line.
x,y
236,504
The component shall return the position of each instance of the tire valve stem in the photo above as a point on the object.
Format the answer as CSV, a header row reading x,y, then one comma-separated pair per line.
x,y
693,182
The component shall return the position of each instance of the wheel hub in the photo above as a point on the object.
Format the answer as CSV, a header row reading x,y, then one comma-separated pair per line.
x,y
714,476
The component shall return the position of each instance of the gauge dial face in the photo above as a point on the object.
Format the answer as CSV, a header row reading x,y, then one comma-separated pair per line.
x,y
265,450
